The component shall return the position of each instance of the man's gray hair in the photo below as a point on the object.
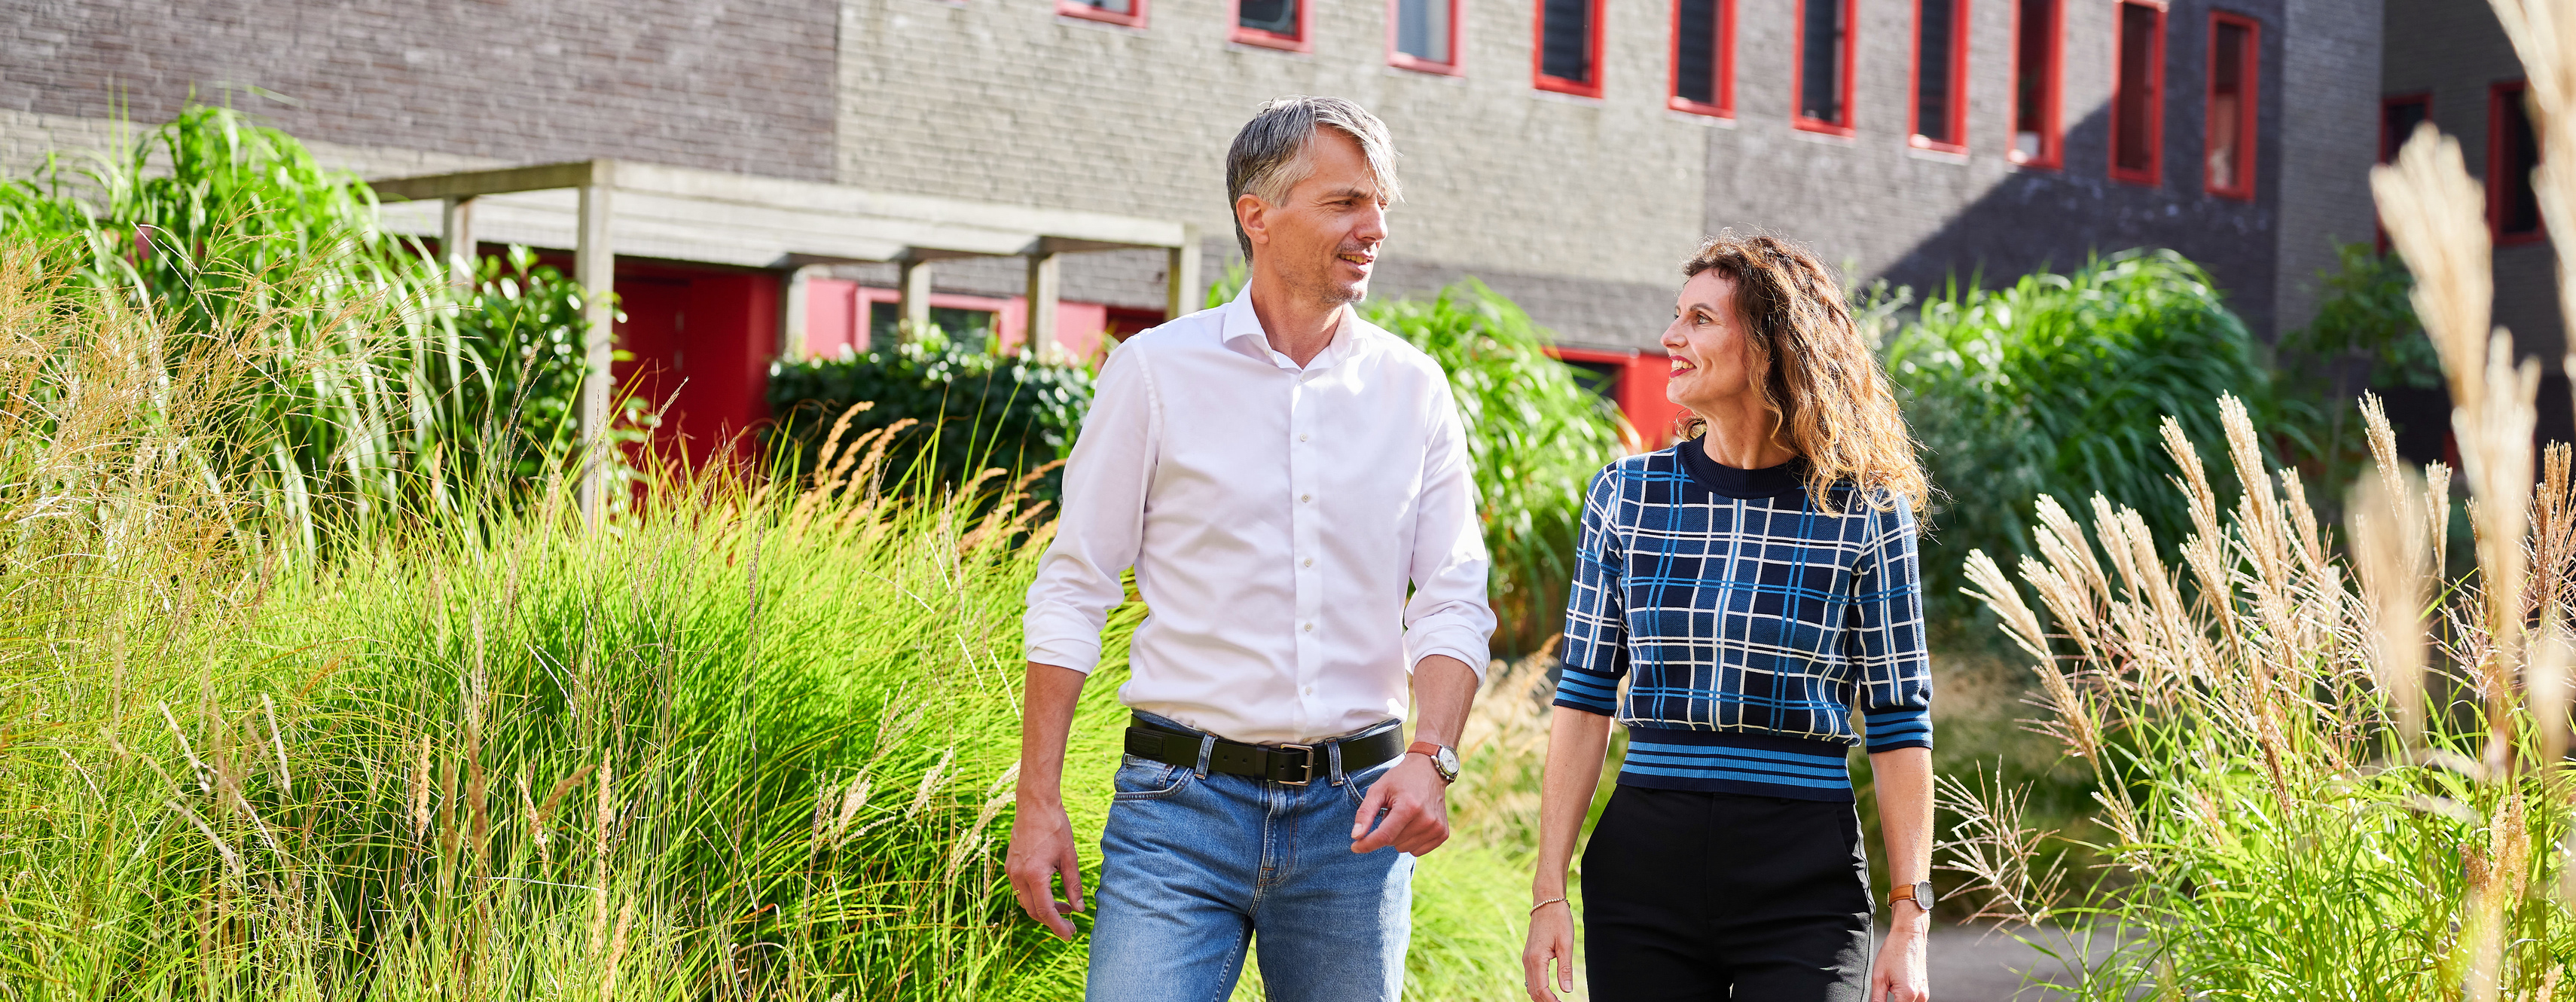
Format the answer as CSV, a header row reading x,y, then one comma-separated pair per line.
x,y
1269,155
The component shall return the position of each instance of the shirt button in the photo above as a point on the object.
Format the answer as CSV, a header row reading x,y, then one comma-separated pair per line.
x,y
1310,690
1310,561
1301,436
1310,627
1305,497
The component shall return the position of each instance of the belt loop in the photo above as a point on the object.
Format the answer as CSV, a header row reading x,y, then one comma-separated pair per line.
x,y
1207,747
1337,762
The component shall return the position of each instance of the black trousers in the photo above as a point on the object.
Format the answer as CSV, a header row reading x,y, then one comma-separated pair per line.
x,y
1698,896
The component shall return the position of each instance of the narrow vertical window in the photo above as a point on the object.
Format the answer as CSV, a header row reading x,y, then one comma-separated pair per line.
x,y
1704,57
1127,12
1569,47
2513,152
2036,44
1276,24
1941,75
2137,96
2235,69
1824,74
1423,35
2398,117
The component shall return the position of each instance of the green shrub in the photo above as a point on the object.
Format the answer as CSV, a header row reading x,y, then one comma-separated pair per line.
x,y
970,409
2365,326
2055,385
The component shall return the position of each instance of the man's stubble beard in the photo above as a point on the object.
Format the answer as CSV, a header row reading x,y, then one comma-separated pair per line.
x,y
1324,290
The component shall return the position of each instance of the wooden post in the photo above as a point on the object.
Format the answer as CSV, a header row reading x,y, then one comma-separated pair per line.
x,y
1046,284
792,309
456,241
595,269
1183,273
915,289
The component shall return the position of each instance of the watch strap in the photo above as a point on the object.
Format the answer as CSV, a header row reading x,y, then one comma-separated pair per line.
x,y
1907,892
1423,748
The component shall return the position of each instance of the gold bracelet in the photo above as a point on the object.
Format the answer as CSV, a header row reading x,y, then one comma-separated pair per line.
x,y
1534,908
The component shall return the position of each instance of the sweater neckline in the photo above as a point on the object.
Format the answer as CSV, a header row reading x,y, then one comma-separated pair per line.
x,y
1766,482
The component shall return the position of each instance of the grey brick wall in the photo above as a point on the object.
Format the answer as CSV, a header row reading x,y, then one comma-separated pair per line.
x,y
738,85
1580,208
2329,137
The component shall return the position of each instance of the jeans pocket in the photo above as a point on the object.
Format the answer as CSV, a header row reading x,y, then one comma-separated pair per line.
x,y
1146,779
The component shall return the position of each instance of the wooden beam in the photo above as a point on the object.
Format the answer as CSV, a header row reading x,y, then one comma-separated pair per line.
x,y
467,184
595,268
1046,285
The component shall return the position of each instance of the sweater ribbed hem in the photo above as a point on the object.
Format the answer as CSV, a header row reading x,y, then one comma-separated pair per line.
x,y
1745,762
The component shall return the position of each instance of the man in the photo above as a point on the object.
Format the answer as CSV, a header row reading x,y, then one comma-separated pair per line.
x,y
1278,472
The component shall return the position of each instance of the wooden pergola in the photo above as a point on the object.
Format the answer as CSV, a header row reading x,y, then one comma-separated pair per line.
x,y
602,208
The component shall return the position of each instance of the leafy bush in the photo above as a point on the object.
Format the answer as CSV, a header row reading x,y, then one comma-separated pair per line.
x,y
962,410
2055,386
2365,326
1536,435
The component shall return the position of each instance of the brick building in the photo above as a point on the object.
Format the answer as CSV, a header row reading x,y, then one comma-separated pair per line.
x,y
1567,152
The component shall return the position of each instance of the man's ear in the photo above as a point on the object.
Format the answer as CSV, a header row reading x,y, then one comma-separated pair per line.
x,y
1253,215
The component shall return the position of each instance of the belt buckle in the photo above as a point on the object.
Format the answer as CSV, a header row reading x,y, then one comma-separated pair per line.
x,y
1310,764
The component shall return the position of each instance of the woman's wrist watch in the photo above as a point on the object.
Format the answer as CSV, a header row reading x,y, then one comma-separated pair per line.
x,y
1919,892
1444,759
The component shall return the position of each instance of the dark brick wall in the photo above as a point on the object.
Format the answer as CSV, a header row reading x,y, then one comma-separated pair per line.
x,y
736,85
1921,219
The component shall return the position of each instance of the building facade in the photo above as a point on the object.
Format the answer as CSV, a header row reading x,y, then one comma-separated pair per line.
x,y
1566,152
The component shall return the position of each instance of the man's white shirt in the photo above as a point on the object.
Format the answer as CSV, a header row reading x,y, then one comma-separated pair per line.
x,y
1275,517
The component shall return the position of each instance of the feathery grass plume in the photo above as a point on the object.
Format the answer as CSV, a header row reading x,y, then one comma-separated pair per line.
x,y
2396,568
2435,215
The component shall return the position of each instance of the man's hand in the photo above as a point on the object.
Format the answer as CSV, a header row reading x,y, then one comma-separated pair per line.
x,y
1041,853
1898,975
1416,802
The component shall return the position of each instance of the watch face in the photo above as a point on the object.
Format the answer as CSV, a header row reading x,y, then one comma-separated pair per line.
x,y
1923,896
1447,761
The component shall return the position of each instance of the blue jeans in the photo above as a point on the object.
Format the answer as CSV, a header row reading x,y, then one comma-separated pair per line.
x,y
1193,864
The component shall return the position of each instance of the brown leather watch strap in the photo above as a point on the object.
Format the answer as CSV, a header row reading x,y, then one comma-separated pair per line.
x,y
1423,748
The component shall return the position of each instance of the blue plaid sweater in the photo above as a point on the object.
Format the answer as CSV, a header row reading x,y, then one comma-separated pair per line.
x,y
1749,623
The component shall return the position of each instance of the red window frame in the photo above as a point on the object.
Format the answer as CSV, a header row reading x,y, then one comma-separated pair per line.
x,y
2389,144
1088,12
2251,102
1721,65
2388,149
2052,110
1538,52
2498,176
1301,42
1958,110
1456,66
2153,173
1798,71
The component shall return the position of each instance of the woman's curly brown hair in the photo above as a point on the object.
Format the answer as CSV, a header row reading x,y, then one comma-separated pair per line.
x,y
1829,400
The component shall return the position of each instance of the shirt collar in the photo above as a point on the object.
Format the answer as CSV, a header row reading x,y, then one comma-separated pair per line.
x,y
1240,329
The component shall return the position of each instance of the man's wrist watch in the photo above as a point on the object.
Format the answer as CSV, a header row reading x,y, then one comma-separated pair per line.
x,y
1444,759
1919,892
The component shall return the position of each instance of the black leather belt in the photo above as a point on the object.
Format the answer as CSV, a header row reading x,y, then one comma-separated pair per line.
x,y
1293,765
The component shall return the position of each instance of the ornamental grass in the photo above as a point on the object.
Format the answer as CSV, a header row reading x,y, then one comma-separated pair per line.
x,y
2326,770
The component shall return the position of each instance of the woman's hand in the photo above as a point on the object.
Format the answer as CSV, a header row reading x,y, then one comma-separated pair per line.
x,y
1551,937
1898,974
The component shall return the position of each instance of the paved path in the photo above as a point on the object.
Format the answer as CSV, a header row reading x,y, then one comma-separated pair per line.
x,y
1976,964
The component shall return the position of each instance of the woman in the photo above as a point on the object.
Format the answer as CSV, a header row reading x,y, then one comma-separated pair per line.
x,y
1756,587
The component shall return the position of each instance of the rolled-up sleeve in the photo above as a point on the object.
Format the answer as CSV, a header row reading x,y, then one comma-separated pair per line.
x,y
1885,637
1103,519
1449,613
1596,615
